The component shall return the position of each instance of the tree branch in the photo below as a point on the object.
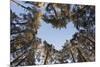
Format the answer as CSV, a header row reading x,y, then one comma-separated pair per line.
x,y
21,5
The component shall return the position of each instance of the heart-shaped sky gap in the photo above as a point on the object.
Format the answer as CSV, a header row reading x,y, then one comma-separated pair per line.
x,y
51,33
56,37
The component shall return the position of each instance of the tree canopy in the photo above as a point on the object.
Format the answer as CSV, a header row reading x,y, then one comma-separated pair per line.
x,y
28,49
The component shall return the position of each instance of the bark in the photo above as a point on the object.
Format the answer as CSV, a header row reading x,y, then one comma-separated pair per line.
x,y
47,54
72,55
81,58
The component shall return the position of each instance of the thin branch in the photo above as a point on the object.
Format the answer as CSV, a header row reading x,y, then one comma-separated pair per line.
x,y
89,38
21,5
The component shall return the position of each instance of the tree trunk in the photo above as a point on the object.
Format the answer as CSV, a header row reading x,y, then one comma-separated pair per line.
x,y
81,58
47,54
72,55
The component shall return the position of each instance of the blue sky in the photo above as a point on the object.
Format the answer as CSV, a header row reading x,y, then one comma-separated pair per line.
x,y
57,37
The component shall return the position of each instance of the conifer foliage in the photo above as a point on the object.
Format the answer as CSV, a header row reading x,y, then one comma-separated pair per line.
x,y
28,49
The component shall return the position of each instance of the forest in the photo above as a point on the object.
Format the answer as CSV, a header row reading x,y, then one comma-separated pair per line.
x,y
27,49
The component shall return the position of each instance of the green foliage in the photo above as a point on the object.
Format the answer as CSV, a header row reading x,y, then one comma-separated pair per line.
x,y
25,44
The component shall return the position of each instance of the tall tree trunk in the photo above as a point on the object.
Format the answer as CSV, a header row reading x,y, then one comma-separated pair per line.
x,y
72,55
81,58
47,54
